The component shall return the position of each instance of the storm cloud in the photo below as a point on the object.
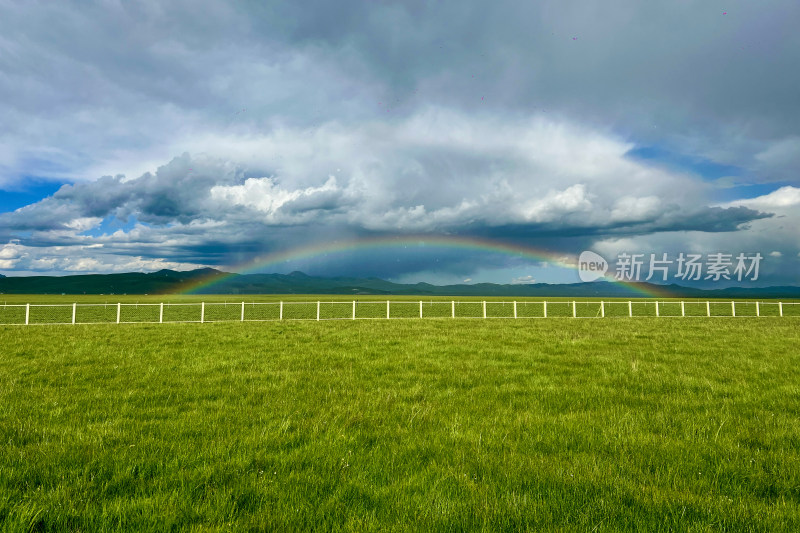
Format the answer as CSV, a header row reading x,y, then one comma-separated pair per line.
x,y
209,133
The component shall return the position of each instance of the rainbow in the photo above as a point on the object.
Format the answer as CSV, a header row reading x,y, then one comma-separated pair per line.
x,y
449,242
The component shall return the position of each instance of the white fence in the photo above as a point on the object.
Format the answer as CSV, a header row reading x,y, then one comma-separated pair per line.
x,y
128,313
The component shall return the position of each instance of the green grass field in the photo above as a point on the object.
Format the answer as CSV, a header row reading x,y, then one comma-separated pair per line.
x,y
440,425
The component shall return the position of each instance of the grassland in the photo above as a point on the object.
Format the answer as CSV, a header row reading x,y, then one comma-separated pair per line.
x,y
440,425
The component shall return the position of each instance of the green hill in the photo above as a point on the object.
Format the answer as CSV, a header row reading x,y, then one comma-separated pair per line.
x,y
211,281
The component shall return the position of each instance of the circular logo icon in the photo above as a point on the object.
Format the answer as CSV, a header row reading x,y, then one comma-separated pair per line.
x,y
591,266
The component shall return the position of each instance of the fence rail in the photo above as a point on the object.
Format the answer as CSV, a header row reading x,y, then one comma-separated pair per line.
x,y
159,313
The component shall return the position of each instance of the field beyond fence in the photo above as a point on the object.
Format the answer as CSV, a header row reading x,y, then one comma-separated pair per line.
x,y
214,311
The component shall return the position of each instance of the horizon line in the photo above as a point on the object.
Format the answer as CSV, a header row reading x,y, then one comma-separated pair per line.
x,y
228,275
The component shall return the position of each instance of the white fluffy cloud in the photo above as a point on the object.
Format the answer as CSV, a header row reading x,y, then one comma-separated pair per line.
x,y
775,238
441,168
779,199
440,171
92,258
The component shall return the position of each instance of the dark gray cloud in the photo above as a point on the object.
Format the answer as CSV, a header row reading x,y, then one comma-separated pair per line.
x,y
148,76
685,70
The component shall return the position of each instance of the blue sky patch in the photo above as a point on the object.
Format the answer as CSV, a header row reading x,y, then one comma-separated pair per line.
x,y
705,168
750,190
111,225
30,191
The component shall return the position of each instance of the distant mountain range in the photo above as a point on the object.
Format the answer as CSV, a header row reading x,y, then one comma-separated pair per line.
x,y
210,281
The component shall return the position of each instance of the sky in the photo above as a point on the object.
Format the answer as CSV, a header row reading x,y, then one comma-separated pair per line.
x,y
138,136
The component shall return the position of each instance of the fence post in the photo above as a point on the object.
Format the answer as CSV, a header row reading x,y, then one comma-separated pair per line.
x,y
657,315
758,310
683,309
708,308
574,310
780,309
74,311
28,314
515,309
354,309
733,308
602,309
202,312
280,315
242,311
161,313
420,308
453,308
317,310
630,309
119,311
545,309
484,309
387,310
